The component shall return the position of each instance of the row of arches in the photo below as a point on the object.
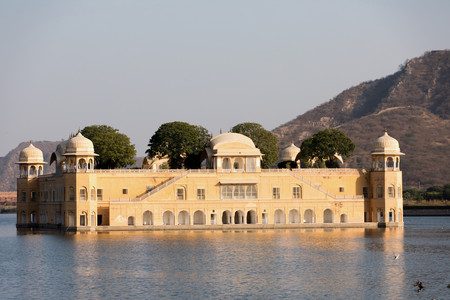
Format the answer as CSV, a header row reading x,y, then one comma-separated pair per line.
x,y
81,164
32,170
386,163
238,164
238,217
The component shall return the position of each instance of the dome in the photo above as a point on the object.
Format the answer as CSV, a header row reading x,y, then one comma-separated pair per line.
x,y
290,153
229,138
386,144
31,154
79,145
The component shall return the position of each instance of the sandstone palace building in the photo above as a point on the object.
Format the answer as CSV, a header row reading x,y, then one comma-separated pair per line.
x,y
232,190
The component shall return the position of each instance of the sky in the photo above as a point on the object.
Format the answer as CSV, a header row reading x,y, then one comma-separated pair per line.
x,y
135,65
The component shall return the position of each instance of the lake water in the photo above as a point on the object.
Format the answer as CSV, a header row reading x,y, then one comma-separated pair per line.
x,y
290,264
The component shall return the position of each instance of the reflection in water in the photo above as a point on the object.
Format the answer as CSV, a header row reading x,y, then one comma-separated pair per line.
x,y
291,263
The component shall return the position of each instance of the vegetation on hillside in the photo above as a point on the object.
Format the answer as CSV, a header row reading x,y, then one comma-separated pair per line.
x,y
437,192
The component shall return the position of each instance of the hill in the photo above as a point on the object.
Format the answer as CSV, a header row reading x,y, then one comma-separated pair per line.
x,y
413,105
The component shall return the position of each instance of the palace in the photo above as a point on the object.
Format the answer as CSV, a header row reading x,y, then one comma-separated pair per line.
x,y
232,190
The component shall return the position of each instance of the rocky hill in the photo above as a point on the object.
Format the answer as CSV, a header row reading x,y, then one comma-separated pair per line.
x,y
413,105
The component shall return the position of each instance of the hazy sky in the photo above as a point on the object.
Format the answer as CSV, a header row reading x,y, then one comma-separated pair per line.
x,y
135,65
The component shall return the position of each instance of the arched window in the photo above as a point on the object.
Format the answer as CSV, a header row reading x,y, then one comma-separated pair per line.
x,y
71,194
199,218
344,218
91,164
391,191
147,218
397,163
92,193
226,217
93,219
32,170
390,162
130,221
226,165
168,218
83,194
251,217
294,216
239,217
83,219
309,216
238,165
40,171
183,218
279,217
82,164
297,192
180,193
328,216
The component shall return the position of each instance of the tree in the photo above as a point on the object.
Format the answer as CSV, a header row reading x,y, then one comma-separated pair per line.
x,y
114,148
265,140
182,142
323,146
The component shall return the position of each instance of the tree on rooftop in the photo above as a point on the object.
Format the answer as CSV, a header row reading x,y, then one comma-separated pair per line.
x,y
182,142
114,148
322,147
264,140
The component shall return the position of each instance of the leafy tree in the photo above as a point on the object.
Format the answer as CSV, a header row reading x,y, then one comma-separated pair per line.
x,y
323,146
114,148
265,140
182,142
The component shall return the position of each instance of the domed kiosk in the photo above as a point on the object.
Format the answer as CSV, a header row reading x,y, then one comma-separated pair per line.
x,y
75,155
31,161
233,152
386,153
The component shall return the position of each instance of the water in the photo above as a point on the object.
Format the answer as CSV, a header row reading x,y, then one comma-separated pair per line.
x,y
295,264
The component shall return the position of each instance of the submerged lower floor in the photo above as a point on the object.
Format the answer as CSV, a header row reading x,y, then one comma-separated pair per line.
x,y
90,215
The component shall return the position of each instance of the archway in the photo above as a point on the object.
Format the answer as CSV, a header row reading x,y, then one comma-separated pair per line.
x,y
23,218
238,165
344,218
251,217
239,217
279,217
83,219
168,218
265,218
294,216
183,218
226,164
147,218
93,218
199,218
309,216
328,216
226,217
